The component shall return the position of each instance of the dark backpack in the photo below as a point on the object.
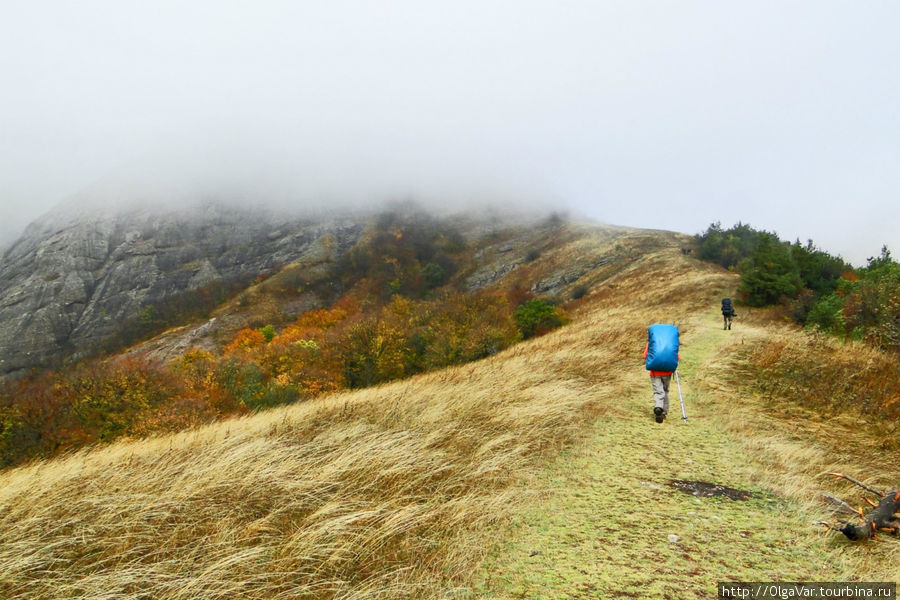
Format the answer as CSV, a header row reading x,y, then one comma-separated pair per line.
x,y
727,309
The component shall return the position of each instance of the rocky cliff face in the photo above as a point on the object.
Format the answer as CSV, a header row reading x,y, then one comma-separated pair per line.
x,y
72,279
79,278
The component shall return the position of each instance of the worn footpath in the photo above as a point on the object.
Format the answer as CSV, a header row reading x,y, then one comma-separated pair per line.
x,y
617,517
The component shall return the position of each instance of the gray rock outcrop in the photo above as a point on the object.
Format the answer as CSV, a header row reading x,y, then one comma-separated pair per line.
x,y
72,279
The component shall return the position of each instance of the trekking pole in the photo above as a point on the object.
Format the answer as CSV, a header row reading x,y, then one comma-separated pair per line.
x,y
683,412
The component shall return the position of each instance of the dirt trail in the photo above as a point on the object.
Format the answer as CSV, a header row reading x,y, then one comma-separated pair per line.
x,y
612,525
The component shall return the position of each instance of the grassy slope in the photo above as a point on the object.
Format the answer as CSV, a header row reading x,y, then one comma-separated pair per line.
x,y
603,530
401,491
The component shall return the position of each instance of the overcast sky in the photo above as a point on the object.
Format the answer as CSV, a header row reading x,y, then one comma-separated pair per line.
x,y
671,115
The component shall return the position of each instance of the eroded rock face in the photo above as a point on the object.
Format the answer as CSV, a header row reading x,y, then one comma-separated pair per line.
x,y
72,279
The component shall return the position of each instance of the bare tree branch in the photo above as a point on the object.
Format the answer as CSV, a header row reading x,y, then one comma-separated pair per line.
x,y
839,504
859,483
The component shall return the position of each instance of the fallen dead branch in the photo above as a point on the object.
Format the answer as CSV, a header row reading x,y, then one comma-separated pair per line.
x,y
883,517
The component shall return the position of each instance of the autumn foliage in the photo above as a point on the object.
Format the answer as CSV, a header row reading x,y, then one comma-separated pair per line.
x,y
400,313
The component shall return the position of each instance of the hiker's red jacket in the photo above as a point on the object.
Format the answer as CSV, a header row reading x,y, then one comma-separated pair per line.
x,y
658,373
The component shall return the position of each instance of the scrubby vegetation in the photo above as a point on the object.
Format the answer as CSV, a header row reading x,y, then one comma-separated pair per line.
x,y
817,289
865,305
174,310
395,308
410,255
536,317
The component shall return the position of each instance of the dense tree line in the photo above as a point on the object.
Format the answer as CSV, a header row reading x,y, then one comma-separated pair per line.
x,y
820,290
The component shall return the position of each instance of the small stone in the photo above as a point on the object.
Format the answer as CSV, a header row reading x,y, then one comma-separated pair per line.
x,y
673,538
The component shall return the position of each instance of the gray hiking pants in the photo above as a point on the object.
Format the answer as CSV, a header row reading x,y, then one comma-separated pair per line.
x,y
660,385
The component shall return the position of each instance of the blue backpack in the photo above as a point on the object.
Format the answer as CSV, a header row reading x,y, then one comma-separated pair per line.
x,y
662,347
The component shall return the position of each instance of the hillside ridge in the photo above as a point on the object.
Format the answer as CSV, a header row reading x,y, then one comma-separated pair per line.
x,y
81,283
414,488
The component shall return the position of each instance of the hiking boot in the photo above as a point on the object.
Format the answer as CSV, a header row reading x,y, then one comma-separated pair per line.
x,y
660,415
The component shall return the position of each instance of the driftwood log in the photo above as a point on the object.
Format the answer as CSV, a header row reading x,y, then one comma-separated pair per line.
x,y
883,517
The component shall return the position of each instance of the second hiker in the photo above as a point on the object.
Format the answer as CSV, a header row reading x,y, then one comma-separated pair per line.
x,y
727,312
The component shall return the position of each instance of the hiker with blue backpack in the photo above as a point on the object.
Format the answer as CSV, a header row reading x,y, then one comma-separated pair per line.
x,y
661,359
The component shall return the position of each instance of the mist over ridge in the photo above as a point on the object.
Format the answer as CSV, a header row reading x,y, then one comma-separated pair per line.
x,y
267,178
187,231
638,114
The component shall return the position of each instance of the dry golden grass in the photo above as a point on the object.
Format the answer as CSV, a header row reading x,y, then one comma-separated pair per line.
x,y
391,492
372,494
797,437
382,493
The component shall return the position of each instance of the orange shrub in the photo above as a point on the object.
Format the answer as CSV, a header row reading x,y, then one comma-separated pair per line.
x,y
245,340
